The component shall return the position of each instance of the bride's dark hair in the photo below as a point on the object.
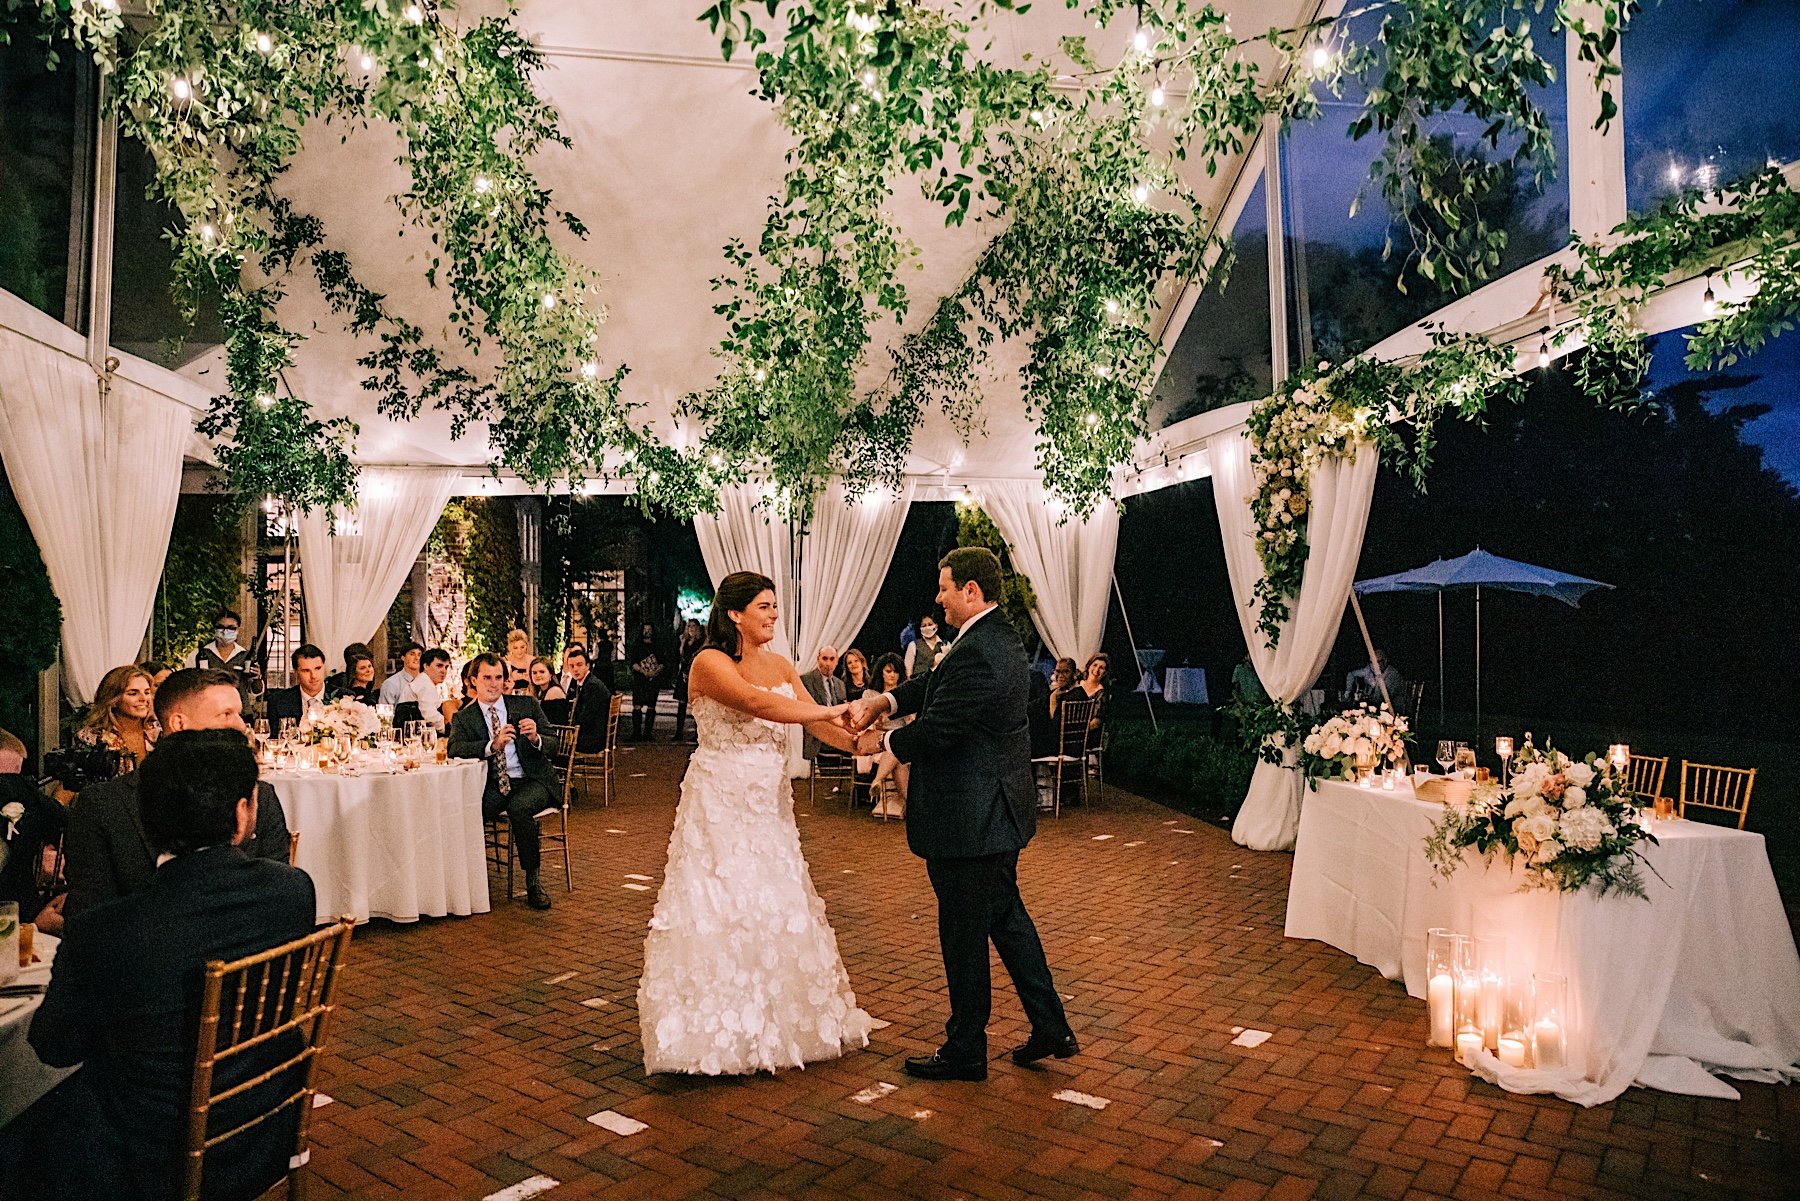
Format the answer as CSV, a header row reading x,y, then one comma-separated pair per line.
x,y
736,591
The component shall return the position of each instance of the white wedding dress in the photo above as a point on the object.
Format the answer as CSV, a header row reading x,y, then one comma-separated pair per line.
x,y
741,969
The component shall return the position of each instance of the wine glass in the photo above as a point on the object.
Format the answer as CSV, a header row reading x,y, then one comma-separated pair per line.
x,y
341,747
288,727
1465,760
1446,754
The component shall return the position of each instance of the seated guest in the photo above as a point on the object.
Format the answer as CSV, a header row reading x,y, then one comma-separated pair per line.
x,y
507,732
889,674
125,991
428,690
1364,684
39,824
107,853
397,688
824,686
1092,686
548,692
308,692
590,702
1044,722
518,659
120,726
357,680
924,651
563,676
856,673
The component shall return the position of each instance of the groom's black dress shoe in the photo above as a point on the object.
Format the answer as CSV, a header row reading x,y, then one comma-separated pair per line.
x,y
936,1067
536,897
1040,1046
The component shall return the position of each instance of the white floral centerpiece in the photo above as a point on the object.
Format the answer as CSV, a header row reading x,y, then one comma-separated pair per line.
x,y
343,716
1363,736
1571,822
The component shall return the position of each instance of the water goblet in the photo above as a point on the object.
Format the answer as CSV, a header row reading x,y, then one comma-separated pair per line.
x,y
1465,760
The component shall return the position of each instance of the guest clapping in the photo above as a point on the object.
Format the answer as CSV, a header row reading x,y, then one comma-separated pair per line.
x,y
121,723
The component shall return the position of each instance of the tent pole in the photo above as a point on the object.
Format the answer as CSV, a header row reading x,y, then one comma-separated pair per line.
x,y
1369,645
1132,638
1440,658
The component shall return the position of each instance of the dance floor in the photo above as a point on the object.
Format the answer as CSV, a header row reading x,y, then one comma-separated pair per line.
x,y
498,1055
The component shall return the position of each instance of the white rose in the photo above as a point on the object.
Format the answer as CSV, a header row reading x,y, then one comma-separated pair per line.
x,y
1574,797
1540,826
1579,774
1333,746
1311,745
1547,851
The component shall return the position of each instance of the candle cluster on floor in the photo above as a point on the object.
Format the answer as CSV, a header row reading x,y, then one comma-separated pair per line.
x,y
1476,1003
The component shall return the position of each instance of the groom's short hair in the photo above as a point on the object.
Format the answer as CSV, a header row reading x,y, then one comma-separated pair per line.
x,y
976,563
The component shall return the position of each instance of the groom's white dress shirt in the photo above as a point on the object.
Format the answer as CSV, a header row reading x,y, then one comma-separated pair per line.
x,y
893,705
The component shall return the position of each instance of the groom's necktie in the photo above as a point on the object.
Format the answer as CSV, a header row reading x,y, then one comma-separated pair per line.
x,y
502,781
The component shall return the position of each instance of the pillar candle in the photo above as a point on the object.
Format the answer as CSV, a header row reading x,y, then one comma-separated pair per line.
x,y
1441,1001
1548,1037
1487,1009
1512,1052
1468,1046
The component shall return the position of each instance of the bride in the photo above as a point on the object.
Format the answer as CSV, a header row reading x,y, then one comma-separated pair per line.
x,y
741,969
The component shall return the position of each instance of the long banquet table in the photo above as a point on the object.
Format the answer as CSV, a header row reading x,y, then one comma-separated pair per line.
x,y
1702,977
397,846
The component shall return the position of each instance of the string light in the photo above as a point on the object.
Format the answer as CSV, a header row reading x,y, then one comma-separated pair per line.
x,y
208,232
1112,307
549,301
1321,58
1141,193
264,43
1037,116
366,61
1093,419
414,14
181,89
1709,304
760,376
868,79
111,6
1544,349
654,478
265,399
1674,172
1104,372
590,369
483,185
716,461
1157,96
1140,41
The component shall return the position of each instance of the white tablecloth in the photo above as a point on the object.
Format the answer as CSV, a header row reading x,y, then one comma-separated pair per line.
x,y
23,1077
394,846
1185,686
1701,977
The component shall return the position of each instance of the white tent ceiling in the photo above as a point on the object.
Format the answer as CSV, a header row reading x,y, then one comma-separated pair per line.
x,y
672,157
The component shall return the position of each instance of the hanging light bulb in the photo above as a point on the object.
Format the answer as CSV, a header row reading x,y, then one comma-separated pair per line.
x,y
1321,58
716,461
1112,307
1140,41
414,14
265,399
264,43
1104,372
1674,172
1037,116
590,369
1141,193
760,375
111,6
1093,419
1157,96
1544,349
654,478
483,185
366,60
868,79
209,232
549,301
181,89
1709,304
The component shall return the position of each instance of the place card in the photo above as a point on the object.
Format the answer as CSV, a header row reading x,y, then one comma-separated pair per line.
x,y
1251,1038
524,1189
1075,1098
874,1092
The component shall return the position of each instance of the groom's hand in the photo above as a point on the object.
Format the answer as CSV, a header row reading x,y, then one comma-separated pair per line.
x,y
869,742
865,711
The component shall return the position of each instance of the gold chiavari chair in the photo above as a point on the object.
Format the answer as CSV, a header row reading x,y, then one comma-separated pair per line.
x,y
1644,775
586,764
1069,764
274,1007
1708,786
833,766
293,847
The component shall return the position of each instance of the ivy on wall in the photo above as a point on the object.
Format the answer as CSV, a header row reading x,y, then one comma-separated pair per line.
x,y
32,631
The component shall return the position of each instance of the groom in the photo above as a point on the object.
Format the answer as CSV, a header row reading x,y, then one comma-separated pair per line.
x,y
970,809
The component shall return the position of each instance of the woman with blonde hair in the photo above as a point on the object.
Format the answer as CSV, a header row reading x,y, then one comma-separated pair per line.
x,y
122,720
518,659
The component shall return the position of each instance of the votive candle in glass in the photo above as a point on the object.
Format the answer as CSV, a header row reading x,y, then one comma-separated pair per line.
x,y
1440,986
1549,1027
1490,968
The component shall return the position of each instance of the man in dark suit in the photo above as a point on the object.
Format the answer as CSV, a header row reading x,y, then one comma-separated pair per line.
x,y
823,685
108,851
124,996
29,822
970,809
308,691
590,702
507,732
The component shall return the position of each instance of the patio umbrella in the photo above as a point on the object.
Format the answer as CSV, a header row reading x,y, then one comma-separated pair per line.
x,y
1479,570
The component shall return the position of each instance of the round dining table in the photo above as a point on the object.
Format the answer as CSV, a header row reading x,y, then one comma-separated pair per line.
x,y
23,1076
396,845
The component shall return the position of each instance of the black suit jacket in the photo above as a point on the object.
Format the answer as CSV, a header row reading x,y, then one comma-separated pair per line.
x,y
285,702
593,703
39,826
469,739
970,749
123,1000
107,852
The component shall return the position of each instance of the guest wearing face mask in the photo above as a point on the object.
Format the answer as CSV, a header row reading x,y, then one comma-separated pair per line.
x,y
226,653
924,652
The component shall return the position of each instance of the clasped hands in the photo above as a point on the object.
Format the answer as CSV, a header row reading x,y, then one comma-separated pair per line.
x,y
859,718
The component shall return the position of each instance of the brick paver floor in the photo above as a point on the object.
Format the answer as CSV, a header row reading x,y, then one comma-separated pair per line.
x,y
473,1051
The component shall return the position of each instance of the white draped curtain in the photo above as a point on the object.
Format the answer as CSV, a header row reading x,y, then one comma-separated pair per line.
x,y
742,537
97,480
351,577
1341,491
1069,562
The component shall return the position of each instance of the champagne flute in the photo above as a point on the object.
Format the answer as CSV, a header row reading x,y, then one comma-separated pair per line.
x,y
1446,754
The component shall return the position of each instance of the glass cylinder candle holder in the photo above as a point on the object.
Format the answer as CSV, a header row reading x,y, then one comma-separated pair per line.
x,y
1515,1024
1490,1000
1549,1021
1468,999
1440,985
1619,755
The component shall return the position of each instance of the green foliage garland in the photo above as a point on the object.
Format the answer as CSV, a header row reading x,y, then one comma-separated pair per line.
x,y
33,628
